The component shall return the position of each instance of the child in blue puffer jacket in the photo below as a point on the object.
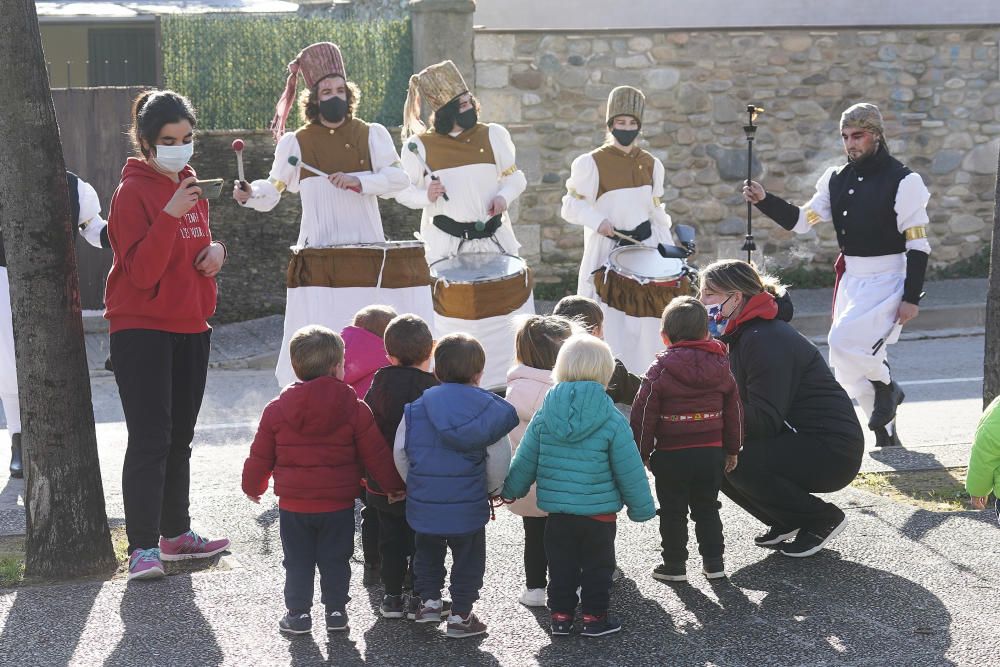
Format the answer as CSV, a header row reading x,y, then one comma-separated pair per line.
x,y
579,451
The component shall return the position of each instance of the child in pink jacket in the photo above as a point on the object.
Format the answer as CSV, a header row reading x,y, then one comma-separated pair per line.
x,y
537,343
365,351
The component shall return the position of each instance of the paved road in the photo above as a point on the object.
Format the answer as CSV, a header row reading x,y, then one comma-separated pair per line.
x,y
901,586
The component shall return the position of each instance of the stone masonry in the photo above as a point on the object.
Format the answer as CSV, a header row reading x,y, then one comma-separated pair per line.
x,y
938,90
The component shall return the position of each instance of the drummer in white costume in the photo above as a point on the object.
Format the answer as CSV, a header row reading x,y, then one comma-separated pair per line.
x,y
617,188
879,210
465,206
85,208
362,164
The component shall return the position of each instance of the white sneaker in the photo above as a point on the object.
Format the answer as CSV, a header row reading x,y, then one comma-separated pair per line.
x,y
533,597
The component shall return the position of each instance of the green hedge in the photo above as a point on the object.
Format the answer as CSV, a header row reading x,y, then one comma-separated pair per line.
x,y
233,67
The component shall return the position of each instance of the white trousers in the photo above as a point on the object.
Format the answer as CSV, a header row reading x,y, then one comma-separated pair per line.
x,y
334,307
868,299
8,367
635,341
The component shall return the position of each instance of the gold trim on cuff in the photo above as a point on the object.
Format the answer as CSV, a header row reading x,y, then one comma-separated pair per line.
x,y
813,218
656,202
914,233
508,171
574,194
279,185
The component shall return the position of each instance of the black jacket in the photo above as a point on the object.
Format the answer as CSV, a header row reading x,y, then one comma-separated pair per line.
x,y
623,385
392,388
783,379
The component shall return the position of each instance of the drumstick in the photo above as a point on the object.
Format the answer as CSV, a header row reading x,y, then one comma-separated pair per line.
x,y
295,162
238,149
622,236
412,147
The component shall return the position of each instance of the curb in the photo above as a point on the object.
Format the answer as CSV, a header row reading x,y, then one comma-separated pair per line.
x,y
936,318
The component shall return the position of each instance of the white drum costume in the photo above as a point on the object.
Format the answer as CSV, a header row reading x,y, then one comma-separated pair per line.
x,y
322,290
879,210
86,211
476,165
622,185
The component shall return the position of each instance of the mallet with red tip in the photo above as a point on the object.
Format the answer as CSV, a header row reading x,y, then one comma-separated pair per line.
x,y
238,149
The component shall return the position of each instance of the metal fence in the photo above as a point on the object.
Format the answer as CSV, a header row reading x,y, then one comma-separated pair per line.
x,y
233,67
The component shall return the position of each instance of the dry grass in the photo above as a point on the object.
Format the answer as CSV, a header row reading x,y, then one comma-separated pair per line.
x,y
935,490
12,556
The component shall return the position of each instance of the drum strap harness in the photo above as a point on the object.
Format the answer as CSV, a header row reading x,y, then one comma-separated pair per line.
x,y
468,231
638,234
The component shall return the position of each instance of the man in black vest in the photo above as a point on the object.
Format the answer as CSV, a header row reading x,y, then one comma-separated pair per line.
x,y
879,210
86,212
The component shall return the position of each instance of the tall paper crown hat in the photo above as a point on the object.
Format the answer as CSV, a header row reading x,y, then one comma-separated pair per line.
x,y
314,63
626,101
438,84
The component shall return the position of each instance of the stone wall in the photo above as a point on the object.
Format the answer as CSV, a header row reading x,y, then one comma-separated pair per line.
x,y
252,284
938,89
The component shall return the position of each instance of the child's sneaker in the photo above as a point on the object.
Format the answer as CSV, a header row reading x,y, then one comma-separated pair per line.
x,y
392,607
774,537
562,624
429,612
465,627
533,597
336,621
595,626
145,564
714,568
670,572
412,607
190,545
296,623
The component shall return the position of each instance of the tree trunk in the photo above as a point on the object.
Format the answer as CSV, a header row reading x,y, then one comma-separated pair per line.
x,y
67,525
991,358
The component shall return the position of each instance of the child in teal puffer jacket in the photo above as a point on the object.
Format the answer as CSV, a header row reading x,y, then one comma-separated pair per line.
x,y
580,453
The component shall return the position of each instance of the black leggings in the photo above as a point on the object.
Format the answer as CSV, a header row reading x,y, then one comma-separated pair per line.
x,y
775,478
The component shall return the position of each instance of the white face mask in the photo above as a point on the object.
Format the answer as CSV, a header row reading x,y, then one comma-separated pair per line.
x,y
173,158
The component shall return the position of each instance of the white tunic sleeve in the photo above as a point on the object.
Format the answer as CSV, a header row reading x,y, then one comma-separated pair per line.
x,y
579,204
415,194
658,214
387,175
512,179
911,210
265,193
817,209
90,222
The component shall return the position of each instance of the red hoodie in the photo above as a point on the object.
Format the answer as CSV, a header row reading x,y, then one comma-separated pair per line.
x,y
688,399
153,283
318,439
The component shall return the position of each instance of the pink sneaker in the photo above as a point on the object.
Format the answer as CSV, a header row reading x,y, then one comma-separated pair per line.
x,y
190,545
145,564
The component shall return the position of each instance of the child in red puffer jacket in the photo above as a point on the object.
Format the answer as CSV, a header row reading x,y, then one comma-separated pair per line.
x,y
687,419
317,438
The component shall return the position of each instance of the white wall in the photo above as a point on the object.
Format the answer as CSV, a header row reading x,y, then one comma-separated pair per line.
x,y
727,14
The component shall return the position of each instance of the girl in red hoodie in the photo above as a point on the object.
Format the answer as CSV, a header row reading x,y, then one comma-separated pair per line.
x,y
161,291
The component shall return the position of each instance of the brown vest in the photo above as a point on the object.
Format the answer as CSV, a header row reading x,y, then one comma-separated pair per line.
x,y
617,170
344,149
470,147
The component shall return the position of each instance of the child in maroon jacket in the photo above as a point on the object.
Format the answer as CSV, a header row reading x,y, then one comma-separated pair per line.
x,y
687,419
317,439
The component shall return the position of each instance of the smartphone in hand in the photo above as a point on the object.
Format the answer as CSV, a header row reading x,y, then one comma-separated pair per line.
x,y
210,189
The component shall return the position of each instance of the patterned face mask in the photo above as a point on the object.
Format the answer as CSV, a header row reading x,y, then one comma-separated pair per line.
x,y
716,320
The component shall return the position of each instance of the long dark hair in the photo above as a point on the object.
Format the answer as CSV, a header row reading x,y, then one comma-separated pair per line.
x,y
444,118
152,110
309,101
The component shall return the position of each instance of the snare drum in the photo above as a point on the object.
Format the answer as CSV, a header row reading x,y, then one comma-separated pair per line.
x,y
639,282
392,265
477,285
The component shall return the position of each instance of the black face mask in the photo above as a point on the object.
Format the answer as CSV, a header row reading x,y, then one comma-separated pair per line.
x,y
625,137
334,109
467,119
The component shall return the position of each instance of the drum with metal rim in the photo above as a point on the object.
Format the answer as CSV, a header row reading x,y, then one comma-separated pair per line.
x,y
639,282
477,285
390,265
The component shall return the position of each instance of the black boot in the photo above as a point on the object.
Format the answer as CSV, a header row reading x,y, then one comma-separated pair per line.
x,y
887,397
884,439
16,465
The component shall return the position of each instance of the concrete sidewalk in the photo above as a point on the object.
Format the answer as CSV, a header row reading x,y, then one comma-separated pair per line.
x,y
950,306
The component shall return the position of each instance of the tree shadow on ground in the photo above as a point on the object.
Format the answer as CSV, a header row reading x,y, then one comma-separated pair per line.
x,y
33,633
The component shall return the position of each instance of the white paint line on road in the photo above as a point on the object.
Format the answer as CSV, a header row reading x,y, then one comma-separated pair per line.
x,y
199,428
941,381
